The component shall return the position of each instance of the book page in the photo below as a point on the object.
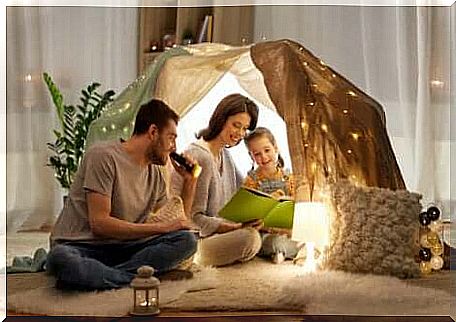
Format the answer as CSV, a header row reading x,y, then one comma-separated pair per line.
x,y
247,205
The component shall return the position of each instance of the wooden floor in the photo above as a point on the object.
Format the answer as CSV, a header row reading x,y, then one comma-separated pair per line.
x,y
244,318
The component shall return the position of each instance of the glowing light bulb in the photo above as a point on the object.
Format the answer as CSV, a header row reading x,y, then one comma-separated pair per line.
x,y
351,93
345,111
324,127
28,78
349,151
313,167
355,136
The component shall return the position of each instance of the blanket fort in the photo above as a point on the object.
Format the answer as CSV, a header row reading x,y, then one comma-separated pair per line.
x,y
335,130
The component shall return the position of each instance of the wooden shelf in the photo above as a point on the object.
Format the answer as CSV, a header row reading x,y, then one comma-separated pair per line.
x,y
230,26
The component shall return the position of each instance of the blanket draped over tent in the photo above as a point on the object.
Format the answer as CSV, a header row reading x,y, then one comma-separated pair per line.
x,y
335,131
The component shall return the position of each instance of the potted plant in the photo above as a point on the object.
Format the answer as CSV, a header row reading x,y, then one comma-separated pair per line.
x,y
74,121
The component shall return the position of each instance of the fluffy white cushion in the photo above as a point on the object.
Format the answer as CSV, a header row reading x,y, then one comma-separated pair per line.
x,y
172,210
374,230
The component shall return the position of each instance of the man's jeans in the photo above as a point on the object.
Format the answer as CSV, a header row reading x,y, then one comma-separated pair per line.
x,y
84,266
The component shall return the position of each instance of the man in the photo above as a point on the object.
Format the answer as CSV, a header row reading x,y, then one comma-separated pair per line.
x,y
100,238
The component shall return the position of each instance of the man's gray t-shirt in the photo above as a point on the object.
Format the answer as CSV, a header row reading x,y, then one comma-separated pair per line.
x,y
108,169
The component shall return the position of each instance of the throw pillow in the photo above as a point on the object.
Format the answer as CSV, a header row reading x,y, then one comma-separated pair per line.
x,y
374,230
172,210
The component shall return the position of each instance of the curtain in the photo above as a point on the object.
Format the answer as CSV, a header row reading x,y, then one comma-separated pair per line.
x,y
76,46
400,56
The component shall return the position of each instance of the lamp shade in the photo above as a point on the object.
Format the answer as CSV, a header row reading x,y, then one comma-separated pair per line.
x,y
311,223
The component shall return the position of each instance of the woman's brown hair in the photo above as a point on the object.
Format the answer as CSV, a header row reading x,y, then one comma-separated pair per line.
x,y
229,106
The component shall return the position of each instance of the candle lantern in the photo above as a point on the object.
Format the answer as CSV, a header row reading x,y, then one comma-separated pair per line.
x,y
145,292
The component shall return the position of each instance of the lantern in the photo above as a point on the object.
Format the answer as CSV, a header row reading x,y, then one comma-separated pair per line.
x,y
145,292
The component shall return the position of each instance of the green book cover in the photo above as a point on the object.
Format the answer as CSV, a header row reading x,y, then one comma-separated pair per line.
x,y
249,204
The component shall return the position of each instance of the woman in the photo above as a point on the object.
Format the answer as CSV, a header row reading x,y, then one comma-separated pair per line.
x,y
222,242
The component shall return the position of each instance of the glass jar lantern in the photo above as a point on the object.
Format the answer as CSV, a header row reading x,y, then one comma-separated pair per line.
x,y
145,292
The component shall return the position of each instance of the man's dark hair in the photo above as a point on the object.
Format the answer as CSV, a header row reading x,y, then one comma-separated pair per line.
x,y
153,112
230,105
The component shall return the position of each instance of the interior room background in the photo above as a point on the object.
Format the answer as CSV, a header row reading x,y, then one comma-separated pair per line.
x,y
398,55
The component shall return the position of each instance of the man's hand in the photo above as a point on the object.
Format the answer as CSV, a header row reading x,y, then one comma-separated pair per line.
x,y
189,185
181,170
180,224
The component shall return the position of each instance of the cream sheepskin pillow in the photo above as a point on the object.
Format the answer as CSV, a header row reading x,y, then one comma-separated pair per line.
x,y
374,230
172,210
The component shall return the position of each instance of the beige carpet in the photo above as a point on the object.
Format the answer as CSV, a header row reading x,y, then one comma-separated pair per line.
x,y
253,286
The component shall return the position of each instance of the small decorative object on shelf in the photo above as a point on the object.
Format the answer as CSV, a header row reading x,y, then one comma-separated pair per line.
x,y
187,37
145,292
154,46
431,245
205,31
169,41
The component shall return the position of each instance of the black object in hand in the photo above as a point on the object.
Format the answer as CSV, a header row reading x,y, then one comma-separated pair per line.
x,y
194,169
182,161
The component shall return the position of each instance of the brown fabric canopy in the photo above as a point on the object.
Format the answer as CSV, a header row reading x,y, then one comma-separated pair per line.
x,y
334,129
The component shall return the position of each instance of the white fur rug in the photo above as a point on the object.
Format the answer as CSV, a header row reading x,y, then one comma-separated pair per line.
x,y
253,286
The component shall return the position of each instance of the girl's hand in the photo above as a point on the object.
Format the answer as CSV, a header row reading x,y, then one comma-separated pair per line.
x,y
278,194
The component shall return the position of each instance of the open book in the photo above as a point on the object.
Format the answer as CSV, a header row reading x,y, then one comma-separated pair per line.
x,y
250,204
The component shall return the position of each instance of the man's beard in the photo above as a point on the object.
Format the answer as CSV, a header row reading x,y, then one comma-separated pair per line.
x,y
155,153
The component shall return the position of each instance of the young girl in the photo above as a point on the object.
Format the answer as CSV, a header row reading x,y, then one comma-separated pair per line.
x,y
269,176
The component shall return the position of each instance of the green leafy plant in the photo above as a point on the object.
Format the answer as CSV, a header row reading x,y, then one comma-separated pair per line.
x,y
68,148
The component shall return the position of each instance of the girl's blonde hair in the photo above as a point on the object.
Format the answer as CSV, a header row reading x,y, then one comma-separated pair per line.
x,y
264,132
